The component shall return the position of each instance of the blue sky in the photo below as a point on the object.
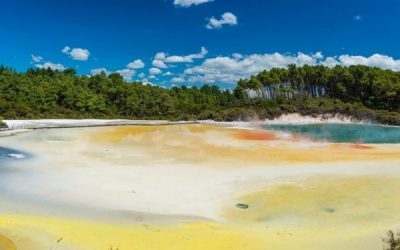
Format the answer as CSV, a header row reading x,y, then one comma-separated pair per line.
x,y
197,41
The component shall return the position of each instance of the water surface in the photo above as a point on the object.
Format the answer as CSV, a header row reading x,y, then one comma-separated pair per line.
x,y
354,133
9,153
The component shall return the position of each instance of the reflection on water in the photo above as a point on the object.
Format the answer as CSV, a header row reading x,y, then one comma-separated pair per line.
x,y
356,133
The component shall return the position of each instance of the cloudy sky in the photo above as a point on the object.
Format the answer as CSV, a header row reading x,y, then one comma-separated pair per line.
x,y
191,42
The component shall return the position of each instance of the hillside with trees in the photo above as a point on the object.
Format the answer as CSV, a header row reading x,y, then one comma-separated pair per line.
x,y
372,87
359,91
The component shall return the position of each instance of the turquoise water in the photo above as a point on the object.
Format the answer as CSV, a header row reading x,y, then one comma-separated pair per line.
x,y
355,133
4,153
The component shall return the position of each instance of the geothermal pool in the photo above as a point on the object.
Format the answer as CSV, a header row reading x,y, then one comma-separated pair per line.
x,y
356,133
195,187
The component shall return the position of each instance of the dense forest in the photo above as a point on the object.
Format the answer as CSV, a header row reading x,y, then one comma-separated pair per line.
x,y
359,91
373,87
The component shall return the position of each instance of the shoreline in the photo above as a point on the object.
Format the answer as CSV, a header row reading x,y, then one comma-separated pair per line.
x,y
16,126
151,180
297,119
292,119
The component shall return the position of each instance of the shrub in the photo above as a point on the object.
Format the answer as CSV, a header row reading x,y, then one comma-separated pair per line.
x,y
392,241
2,124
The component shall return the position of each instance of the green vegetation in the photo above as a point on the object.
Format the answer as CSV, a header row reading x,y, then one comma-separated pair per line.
x,y
359,91
372,87
2,124
392,241
242,206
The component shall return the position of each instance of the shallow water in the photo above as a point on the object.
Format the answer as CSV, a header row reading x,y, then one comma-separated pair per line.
x,y
9,153
177,187
354,133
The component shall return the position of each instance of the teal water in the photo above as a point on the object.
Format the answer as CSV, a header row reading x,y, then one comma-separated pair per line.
x,y
353,133
4,153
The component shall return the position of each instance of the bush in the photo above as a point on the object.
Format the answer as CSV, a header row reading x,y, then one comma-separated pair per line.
x,y
231,115
2,124
392,241
209,115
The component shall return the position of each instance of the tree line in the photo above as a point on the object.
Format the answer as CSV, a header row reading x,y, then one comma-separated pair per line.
x,y
373,87
360,91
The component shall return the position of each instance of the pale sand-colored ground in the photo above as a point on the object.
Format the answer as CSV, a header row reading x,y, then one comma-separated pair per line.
x,y
176,187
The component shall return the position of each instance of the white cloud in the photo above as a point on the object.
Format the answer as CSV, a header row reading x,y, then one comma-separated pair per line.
x,y
97,71
54,66
188,3
231,69
168,73
137,64
77,53
188,58
227,18
142,75
66,50
318,55
126,74
146,82
155,71
165,58
160,56
178,80
237,55
159,64
36,59
330,62
376,60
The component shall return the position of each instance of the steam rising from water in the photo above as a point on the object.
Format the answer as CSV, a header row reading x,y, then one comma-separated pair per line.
x,y
352,133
